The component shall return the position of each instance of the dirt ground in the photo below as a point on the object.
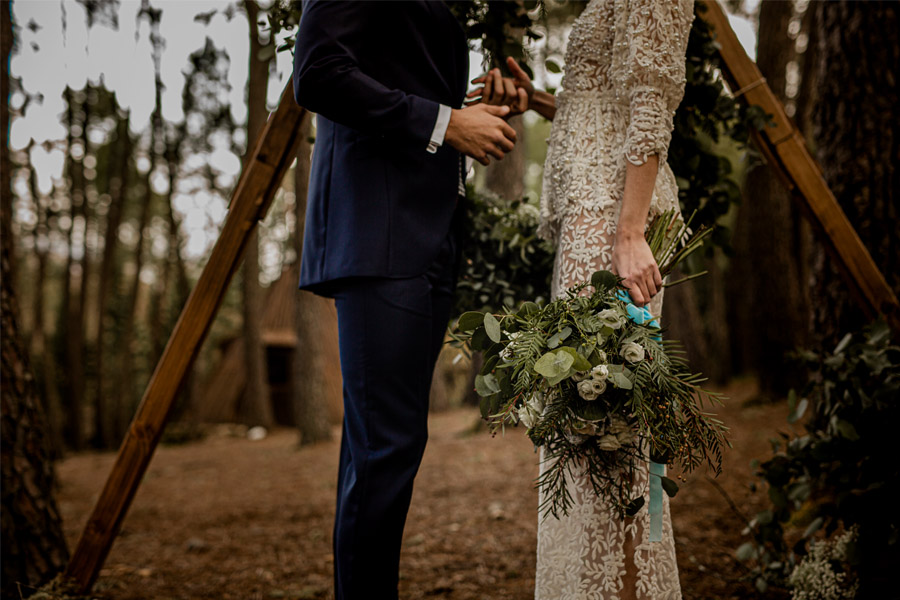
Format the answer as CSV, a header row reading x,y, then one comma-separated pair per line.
x,y
226,517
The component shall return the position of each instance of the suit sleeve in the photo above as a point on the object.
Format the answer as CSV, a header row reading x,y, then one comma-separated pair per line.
x,y
328,80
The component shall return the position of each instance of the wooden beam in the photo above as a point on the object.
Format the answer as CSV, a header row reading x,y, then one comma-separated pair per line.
x,y
785,150
272,155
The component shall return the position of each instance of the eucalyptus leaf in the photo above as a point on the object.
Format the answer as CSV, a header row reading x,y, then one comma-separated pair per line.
x,y
590,411
486,385
579,363
558,337
634,506
669,486
604,280
470,320
489,364
553,364
620,380
479,339
492,327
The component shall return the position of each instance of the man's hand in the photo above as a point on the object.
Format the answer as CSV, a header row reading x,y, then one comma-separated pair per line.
x,y
479,131
516,92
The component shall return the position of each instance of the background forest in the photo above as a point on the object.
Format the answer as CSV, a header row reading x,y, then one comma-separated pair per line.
x,y
125,127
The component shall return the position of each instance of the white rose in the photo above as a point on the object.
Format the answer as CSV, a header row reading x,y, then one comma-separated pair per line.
x,y
625,437
609,442
621,429
600,373
586,390
580,376
617,424
528,416
632,352
536,402
598,386
602,355
611,318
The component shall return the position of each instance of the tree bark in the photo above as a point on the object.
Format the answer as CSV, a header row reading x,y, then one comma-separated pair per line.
x,y
69,335
255,406
313,391
107,282
34,548
857,134
767,288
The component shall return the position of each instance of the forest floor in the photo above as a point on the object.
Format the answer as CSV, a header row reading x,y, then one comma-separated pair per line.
x,y
225,517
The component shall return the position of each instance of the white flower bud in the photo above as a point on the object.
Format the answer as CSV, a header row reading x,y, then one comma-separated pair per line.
x,y
586,390
632,352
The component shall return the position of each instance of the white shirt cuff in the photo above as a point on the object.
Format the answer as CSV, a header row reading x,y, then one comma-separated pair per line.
x,y
440,129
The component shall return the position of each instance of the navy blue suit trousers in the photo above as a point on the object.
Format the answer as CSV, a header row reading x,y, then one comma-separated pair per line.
x,y
391,332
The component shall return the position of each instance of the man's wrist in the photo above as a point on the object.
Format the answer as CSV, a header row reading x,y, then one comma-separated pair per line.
x,y
440,128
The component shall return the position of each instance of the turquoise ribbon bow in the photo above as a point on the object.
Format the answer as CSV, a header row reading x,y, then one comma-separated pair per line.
x,y
642,316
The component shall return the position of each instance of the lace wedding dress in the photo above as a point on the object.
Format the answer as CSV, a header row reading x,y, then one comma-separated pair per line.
x,y
624,78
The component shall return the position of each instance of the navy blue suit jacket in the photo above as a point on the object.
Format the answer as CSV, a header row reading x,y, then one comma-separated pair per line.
x,y
375,73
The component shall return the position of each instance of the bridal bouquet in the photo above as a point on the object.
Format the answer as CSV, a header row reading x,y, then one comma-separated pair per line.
x,y
592,381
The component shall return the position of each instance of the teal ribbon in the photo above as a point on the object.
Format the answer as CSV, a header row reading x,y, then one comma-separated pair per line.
x,y
642,316
657,472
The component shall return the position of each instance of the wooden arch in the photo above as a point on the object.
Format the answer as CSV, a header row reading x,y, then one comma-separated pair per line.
x,y
781,143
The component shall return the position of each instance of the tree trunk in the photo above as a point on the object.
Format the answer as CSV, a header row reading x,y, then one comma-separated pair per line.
x,y
107,282
42,359
69,334
769,269
255,406
857,133
34,548
312,390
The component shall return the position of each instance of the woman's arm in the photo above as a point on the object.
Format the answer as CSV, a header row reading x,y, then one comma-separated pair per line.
x,y
631,256
656,34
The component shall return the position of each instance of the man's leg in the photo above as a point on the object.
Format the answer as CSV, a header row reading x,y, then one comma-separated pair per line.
x,y
388,330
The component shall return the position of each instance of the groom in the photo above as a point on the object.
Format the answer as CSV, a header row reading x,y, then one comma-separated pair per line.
x,y
383,208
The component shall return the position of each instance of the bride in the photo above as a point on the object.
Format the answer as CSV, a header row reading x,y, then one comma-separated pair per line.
x,y
605,175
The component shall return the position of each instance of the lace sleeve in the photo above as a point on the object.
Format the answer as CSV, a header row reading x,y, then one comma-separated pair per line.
x,y
657,33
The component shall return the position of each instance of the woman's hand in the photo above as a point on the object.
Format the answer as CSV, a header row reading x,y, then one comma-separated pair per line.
x,y
516,91
633,260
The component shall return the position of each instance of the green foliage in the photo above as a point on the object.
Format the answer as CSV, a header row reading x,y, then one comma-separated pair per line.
x,y
843,472
595,389
499,28
707,116
504,262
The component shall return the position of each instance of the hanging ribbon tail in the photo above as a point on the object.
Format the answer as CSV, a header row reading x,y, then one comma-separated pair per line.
x,y
642,316
657,472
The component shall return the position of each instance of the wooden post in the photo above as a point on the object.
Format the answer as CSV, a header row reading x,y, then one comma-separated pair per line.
x,y
785,150
275,149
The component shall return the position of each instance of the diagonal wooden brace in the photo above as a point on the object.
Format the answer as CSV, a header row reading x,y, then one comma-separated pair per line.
x,y
272,155
785,150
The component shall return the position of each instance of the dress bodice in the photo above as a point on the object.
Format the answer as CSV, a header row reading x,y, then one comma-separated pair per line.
x,y
624,78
